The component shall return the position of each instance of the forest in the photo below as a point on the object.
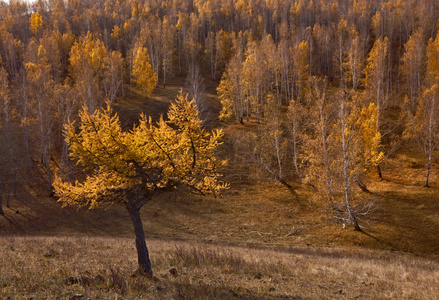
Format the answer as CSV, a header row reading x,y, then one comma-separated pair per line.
x,y
335,87
323,102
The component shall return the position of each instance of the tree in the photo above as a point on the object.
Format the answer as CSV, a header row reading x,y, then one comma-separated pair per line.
x,y
376,75
412,65
36,22
320,142
167,48
196,89
301,69
113,76
231,91
133,167
265,148
144,77
355,60
41,98
349,155
424,125
370,137
360,139
297,118
88,61
376,81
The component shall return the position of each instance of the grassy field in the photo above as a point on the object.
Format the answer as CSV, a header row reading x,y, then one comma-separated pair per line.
x,y
102,268
256,241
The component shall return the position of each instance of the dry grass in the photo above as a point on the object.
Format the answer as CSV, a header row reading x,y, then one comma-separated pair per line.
x,y
38,268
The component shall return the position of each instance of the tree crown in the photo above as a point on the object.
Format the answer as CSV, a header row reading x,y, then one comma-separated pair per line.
x,y
152,157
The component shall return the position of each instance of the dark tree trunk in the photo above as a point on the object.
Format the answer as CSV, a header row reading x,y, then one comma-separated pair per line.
x,y
142,250
380,175
363,186
428,173
1,201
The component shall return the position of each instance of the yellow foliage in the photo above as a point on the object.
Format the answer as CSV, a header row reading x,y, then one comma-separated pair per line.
x,y
226,95
36,22
149,158
376,62
89,52
432,58
367,124
144,76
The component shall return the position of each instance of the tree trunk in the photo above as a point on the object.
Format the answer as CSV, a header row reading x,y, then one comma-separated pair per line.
x,y
380,174
142,250
1,201
362,186
428,172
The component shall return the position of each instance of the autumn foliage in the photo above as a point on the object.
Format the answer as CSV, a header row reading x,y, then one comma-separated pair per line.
x,y
305,73
132,167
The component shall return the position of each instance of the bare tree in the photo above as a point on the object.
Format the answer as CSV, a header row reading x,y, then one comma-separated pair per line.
x,y
196,90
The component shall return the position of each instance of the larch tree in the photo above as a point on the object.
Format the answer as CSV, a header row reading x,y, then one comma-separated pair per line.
x,y
36,22
132,167
67,108
376,75
88,60
370,137
301,69
144,76
231,91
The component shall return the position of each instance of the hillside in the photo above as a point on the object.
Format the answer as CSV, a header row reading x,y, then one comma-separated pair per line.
x,y
257,212
331,135
258,224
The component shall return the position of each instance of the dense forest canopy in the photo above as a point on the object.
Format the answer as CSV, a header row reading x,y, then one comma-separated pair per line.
x,y
335,86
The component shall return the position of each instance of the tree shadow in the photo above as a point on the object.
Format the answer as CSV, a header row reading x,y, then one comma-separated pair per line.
x,y
410,222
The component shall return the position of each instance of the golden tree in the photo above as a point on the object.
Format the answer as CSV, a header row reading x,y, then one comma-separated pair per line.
x,y
301,69
144,76
36,22
88,61
370,137
133,167
376,75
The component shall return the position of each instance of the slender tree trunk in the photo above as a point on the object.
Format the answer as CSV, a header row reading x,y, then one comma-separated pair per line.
x,y
380,174
1,201
428,172
142,250
346,180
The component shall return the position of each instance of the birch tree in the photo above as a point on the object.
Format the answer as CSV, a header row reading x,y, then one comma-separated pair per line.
x,y
423,127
